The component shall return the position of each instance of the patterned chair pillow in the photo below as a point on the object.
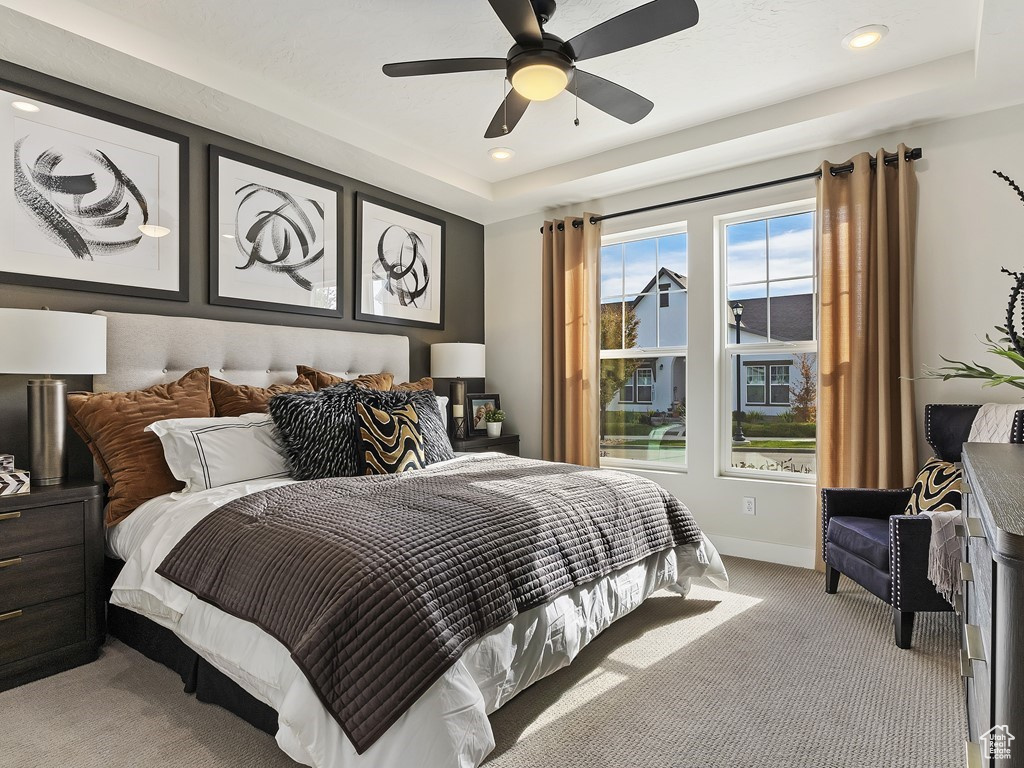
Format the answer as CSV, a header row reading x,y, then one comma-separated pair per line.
x,y
937,488
390,440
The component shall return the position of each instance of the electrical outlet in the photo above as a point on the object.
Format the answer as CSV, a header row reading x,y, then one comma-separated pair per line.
x,y
749,505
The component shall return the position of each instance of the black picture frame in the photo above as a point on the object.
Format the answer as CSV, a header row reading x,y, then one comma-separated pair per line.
x,y
116,289
472,401
216,154
363,314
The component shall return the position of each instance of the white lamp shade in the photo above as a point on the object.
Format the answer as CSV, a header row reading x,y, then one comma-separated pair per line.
x,y
457,361
40,342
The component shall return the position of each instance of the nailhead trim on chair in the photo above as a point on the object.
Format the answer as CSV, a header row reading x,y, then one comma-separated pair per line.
x,y
825,516
894,564
928,417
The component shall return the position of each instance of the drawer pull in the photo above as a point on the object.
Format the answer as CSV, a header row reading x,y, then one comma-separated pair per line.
x,y
958,605
11,615
974,527
966,668
10,515
975,646
965,487
972,754
966,572
960,531
10,562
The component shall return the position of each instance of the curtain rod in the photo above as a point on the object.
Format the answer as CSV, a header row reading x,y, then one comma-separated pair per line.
x,y
909,155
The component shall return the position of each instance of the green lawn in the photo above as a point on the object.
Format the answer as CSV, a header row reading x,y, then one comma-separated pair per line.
x,y
794,444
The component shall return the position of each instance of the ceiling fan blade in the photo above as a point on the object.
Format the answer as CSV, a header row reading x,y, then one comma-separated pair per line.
x,y
519,19
636,27
441,66
507,116
609,97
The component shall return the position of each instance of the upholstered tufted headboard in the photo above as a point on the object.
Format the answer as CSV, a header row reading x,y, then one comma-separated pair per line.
x,y
143,350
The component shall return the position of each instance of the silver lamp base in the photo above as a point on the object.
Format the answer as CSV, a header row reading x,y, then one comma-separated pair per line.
x,y
47,417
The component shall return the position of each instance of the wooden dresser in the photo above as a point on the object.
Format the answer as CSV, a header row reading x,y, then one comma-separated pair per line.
x,y
51,581
992,659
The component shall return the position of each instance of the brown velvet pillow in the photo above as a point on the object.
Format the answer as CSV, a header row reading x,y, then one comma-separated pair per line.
x,y
239,399
426,383
112,424
321,380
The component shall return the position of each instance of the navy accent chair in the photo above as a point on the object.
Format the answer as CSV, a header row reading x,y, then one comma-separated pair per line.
x,y
867,537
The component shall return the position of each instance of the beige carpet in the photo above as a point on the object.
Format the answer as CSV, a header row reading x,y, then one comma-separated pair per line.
x,y
773,673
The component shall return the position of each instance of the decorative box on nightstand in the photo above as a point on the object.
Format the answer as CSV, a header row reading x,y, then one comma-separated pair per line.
x,y
483,444
51,581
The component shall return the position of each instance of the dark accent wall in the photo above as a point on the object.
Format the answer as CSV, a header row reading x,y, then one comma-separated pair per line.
x,y
464,267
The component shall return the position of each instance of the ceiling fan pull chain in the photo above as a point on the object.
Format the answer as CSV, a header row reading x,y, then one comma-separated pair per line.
x,y
504,104
576,88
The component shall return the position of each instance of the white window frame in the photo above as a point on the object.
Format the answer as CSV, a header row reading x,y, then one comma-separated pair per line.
x,y
747,385
727,347
771,383
645,233
636,385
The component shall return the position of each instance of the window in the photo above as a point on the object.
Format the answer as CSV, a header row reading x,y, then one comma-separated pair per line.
x,y
755,384
643,347
769,373
780,385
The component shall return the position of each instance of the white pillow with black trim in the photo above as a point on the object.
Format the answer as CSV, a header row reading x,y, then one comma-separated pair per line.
x,y
207,453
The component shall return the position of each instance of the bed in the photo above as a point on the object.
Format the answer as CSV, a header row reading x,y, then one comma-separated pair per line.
x,y
232,662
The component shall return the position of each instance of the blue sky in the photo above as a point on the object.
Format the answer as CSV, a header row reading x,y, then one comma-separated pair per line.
x,y
789,240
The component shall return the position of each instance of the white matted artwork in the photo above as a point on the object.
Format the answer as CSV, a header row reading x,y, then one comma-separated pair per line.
x,y
399,265
274,239
77,188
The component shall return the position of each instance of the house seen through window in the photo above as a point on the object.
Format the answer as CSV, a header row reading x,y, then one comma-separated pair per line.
x,y
643,347
769,343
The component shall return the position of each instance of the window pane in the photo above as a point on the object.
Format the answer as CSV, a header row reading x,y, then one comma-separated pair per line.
x,y
611,271
672,253
777,437
611,325
672,324
654,427
641,266
792,308
754,320
746,252
641,321
791,246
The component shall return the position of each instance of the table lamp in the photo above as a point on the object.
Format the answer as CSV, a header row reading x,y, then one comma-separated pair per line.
x,y
456,361
41,342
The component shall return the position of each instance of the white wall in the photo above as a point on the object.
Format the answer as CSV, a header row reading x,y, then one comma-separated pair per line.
x,y
970,225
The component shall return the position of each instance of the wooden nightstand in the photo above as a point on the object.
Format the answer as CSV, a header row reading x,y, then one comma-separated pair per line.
x,y
483,444
51,581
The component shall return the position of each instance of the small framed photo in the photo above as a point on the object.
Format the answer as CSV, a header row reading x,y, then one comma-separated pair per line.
x,y
275,237
399,265
479,405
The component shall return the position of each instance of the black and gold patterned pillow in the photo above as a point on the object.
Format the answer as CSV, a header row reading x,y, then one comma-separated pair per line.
x,y
937,488
391,440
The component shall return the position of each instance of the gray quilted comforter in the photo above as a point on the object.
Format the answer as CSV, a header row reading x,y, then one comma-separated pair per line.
x,y
377,584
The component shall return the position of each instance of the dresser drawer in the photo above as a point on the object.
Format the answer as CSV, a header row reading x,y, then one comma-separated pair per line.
x,y
41,628
37,578
979,590
40,529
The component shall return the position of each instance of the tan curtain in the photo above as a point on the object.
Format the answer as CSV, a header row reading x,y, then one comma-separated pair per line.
x,y
866,429
571,397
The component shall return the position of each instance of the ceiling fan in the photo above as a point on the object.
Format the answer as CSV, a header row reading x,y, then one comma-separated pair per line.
x,y
541,65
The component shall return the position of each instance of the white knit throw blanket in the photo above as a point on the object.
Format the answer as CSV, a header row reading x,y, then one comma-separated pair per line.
x,y
993,423
944,553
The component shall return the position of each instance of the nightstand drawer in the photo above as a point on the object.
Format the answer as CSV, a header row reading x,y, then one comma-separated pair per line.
x,y
40,529
37,578
41,628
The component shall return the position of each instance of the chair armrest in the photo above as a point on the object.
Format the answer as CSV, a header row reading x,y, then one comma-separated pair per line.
x,y
876,503
909,541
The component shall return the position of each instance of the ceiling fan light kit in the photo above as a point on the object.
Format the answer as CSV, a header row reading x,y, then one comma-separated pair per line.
x,y
541,65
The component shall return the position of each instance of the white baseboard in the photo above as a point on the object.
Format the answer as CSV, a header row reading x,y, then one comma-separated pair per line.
x,y
784,554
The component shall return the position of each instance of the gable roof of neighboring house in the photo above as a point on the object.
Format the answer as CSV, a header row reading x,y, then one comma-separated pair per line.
x,y
675,277
792,317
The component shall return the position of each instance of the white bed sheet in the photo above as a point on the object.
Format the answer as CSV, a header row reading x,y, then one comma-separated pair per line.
x,y
448,726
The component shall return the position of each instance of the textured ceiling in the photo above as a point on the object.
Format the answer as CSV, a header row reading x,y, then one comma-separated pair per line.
x,y
742,55
754,80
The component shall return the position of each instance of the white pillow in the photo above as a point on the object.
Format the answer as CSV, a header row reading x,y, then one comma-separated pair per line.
x,y
442,406
207,453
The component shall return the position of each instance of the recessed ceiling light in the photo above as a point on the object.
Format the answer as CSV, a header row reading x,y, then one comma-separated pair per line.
x,y
25,106
502,153
153,230
865,37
